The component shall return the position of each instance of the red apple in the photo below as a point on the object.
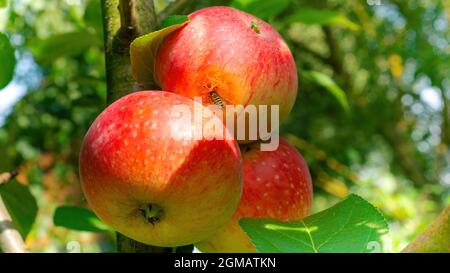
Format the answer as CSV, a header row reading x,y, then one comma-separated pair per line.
x,y
228,57
277,185
150,186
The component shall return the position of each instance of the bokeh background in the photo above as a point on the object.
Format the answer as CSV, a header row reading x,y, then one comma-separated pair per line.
x,y
372,115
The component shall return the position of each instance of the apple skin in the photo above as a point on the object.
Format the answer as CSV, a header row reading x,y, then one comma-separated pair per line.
x,y
129,162
277,185
218,50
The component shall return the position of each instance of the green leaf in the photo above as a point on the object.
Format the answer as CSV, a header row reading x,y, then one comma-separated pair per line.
x,y
8,61
143,52
64,45
21,205
321,17
93,16
328,83
263,9
174,20
77,218
352,225
3,3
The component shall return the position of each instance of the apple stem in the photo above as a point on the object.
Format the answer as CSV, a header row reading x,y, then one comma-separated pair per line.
x,y
255,27
245,147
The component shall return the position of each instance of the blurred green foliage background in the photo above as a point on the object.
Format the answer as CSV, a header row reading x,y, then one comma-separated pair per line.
x,y
372,114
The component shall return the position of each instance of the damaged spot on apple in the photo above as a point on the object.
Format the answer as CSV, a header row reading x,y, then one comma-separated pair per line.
x,y
212,97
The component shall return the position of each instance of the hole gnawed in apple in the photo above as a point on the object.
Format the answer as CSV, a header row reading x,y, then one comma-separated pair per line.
x,y
212,97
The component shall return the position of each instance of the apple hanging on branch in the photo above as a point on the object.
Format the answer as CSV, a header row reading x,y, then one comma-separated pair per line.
x,y
230,54
146,173
226,57
277,185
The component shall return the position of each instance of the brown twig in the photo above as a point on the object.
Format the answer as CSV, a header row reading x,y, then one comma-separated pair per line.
x,y
7,176
10,239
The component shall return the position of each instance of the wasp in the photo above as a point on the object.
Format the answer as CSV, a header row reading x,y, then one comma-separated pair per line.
x,y
213,96
216,99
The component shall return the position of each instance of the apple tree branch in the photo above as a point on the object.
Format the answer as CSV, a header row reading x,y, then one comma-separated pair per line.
x,y
124,20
